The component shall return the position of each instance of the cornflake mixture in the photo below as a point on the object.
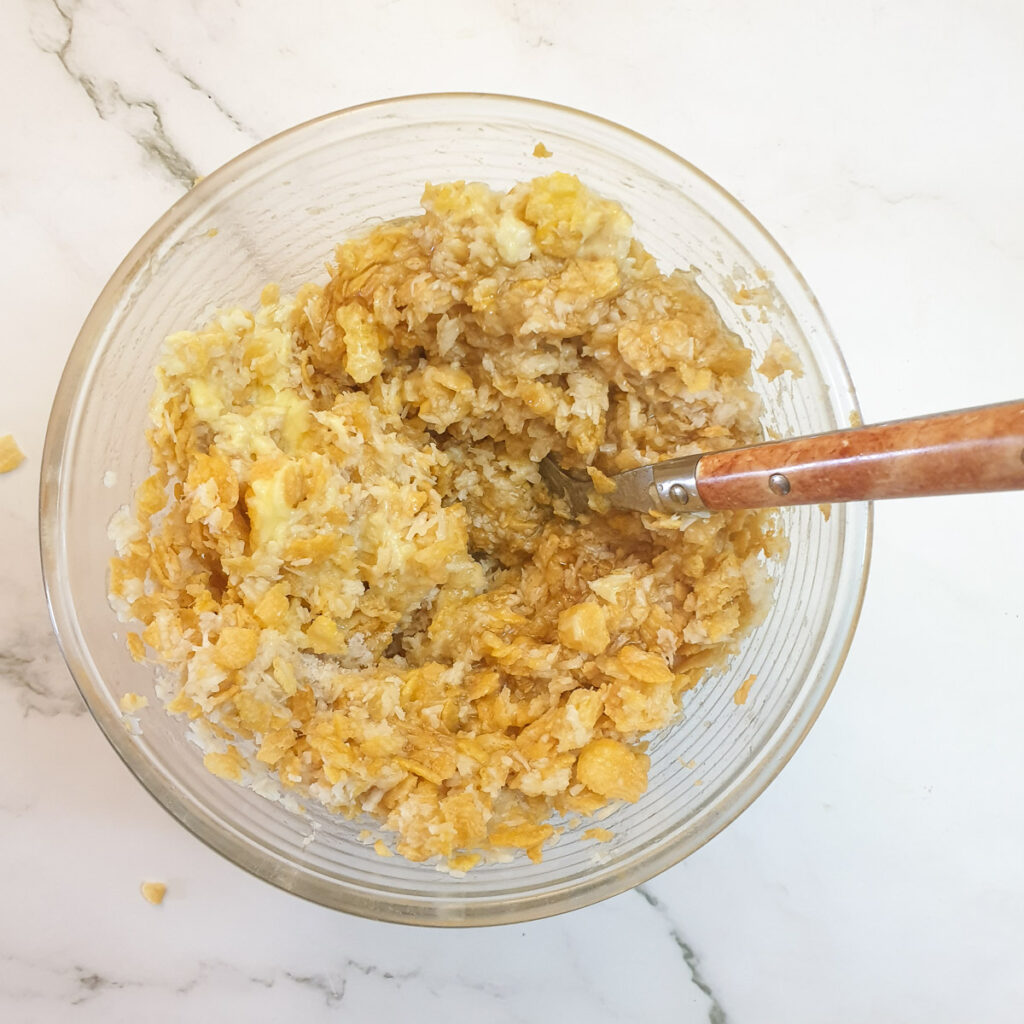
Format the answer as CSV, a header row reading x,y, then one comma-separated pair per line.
x,y
346,563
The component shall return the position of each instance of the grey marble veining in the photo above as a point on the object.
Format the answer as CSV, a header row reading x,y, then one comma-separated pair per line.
x,y
31,664
880,876
139,117
196,86
716,1015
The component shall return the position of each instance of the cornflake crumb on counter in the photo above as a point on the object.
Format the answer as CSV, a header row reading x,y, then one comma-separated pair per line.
x,y
780,359
601,835
346,568
11,456
132,702
153,892
541,151
743,692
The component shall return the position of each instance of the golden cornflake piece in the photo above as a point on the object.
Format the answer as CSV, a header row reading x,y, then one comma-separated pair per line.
x,y
153,892
275,745
464,861
324,637
601,835
151,496
284,674
644,665
380,848
132,702
584,627
226,766
363,343
11,456
522,837
273,606
541,151
603,484
611,769
584,802
182,704
236,647
743,692
415,768
780,359
136,646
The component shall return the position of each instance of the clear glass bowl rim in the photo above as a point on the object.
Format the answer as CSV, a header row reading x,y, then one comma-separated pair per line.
x,y
229,844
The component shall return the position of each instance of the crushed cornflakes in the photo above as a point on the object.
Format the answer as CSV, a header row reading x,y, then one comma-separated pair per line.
x,y
348,570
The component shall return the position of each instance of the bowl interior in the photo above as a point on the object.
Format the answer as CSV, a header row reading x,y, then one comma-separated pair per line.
x,y
274,214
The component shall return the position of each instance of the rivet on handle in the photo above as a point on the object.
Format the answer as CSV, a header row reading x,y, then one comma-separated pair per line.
x,y
778,484
679,494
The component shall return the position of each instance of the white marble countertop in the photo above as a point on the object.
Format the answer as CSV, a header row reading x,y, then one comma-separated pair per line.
x,y
881,877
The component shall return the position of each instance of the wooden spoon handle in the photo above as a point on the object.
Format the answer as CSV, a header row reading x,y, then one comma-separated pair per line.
x,y
961,452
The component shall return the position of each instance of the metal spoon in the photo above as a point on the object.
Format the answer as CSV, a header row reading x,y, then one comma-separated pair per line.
x,y
980,449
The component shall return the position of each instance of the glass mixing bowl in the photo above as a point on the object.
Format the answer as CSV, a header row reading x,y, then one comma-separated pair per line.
x,y
275,214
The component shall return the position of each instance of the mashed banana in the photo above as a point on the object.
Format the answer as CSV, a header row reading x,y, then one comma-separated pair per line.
x,y
347,566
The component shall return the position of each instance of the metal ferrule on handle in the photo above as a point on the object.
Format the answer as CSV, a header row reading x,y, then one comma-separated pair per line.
x,y
675,485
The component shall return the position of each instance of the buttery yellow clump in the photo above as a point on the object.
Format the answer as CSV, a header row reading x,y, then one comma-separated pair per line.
x,y
11,456
153,892
345,562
